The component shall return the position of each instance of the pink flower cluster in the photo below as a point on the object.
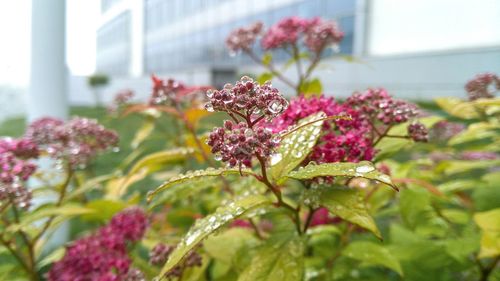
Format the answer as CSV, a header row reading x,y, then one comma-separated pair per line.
x,y
320,34
479,155
483,86
322,216
164,91
444,130
16,168
377,104
77,141
316,32
243,38
247,103
121,99
236,144
247,99
102,256
341,140
160,253
173,92
351,139
418,132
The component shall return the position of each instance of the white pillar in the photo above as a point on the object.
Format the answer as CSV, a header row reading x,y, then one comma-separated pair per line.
x,y
47,92
361,32
137,38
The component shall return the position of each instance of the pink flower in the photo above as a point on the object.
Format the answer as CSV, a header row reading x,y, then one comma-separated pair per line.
x,y
321,217
102,255
341,140
77,141
236,144
131,222
284,32
484,85
243,38
319,34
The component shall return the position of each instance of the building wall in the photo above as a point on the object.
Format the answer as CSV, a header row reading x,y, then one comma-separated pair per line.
x,y
183,34
184,39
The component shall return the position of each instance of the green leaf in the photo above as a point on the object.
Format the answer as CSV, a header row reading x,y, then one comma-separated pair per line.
x,y
390,146
56,255
264,77
372,254
192,176
346,203
267,58
211,223
87,186
153,160
311,88
363,169
475,132
66,211
295,146
104,210
282,258
145,130
458,107
489,222
226,246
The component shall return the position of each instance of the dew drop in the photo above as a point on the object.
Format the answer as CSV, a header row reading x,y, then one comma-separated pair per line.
x,y
276,158
209,107
275,107
364,169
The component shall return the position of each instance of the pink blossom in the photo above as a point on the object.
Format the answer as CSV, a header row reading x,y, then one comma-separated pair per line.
x,y
244,37
484,85
103,254
77,141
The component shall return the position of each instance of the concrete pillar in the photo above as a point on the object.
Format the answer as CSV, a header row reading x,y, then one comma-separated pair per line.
x,y
47,92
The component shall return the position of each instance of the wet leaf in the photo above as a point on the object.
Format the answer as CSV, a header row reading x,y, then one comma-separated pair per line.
x,y
458,107
390,146
264,77
363,169
151,161
145,130
211,223
489,222
63,212
193,176
193,115
311,88
295,147
372,254
348,204
267,58
281,258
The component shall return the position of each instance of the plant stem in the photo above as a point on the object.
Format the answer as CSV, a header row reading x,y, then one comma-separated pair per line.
x,y
256,228
344,239
271,69
64,187
31,251
486,271
309,219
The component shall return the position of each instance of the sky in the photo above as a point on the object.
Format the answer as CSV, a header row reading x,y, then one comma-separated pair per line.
x,y
15,31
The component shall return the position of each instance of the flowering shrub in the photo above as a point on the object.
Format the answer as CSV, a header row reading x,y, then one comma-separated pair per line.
x,y
305,188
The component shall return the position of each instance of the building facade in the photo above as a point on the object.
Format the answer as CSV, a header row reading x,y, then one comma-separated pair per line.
x,y
413,48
